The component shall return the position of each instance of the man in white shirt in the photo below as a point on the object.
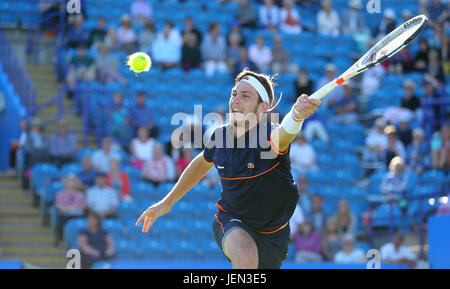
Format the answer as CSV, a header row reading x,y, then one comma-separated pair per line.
x,y
102,157
166,50
261,55
102,199
328,20
303,156
269,15
397,253
349,254
376,142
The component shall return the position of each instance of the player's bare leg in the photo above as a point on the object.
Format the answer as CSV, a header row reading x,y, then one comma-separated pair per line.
x,y
241,249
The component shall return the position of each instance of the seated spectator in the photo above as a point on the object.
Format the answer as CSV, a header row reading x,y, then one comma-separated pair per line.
x,y
353,18
111,39
69,202
421,57
394,183
189,28
331,240
214,49
317,215
36,146
236,31
184,160
296,222
269,15
102,157
118,180
348,253
99,33
328,20
346,109
304,195
346,220
165,51
174,34
160,169
247,14
87,174
376,143
260,54
290,18
63,145
371,79
243,62
303,84
440,149
433,112
146,37
95,243
336,94
233,51
119,120
308,245
394,146
191,56
402,62
303,156
396,253
417,152
81,68
280,61
410,101
78,35
126,37
435,9
386,25
107,66
404,132
102,199
142,148
141,11
142,115
434,70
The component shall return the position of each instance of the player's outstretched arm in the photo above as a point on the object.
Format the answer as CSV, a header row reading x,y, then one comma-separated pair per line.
x,y
196,170
304,107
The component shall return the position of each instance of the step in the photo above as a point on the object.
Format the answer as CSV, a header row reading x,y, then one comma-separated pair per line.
x,y
26,229
48,239
15,204
14,199
24,210
29,250
43,260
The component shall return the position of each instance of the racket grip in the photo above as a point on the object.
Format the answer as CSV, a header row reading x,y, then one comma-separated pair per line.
x,y
324,90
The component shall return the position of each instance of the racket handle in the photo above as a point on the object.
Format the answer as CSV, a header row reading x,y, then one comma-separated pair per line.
x,y
324,90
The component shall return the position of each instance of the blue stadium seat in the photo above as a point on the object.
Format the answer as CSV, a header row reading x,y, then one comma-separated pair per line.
x,y
40,174
48,198
382,216
84,152
128,211
365,247
142,189
210,250
72,229
72,168
183,208
182,249
127,249
199,192
134,175
433,177
153,250
205,208
163,189
113,226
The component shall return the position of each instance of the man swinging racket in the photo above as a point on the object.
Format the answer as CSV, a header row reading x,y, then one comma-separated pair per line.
x,y
251,155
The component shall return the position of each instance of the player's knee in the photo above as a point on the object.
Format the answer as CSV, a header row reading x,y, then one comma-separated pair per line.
x,y
247,258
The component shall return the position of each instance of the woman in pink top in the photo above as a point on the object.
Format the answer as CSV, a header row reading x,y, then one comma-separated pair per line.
x,y
160,169
183,161
70,202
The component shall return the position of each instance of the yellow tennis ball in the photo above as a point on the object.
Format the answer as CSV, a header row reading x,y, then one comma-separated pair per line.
x,y
139,62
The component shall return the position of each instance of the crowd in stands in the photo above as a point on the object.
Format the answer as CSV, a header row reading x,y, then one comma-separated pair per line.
x,y
400,140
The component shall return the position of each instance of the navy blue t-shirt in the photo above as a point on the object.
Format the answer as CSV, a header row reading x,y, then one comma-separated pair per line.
x,y
257,184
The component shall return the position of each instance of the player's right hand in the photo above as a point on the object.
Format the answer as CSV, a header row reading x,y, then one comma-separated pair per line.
x,y
151,214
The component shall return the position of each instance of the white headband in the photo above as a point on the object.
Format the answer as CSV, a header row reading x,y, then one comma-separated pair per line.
x,y
260,89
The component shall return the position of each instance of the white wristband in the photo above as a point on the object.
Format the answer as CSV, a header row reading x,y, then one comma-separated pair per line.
x,y
291,124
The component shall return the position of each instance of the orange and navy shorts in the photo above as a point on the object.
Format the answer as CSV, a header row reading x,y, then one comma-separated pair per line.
x,y
272,248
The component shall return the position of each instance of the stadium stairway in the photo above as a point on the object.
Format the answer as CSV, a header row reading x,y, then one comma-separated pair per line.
x,y
21,234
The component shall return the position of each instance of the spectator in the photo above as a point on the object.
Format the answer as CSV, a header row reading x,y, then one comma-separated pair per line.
x,y
394,146
183,161
269,15
281,62
111,39
233,51
63,145
261,55
244,62
87,174
353,18
421,57
371,79
410,101
102,199
107,66
99,33
336,94
174,35
296,222
189,29
348,253
119,120
81,68
142,115
118,180
346,108
404,132
440,148
142,148
346,220
78,35
417,151
406,15
435,10
397,253
304,195
141,11
247,14
376,142
308,244
317,215
102,157
166,52
126,37
147,36
386,25
432,112
160,169
303,84
434,70
214,50
303,156
190,53
70,203
237,32
435,39
328,20
36,146
290,19
402,62
331,240
394,183
95,243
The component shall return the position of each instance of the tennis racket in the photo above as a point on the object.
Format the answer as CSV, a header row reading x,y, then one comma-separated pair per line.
x,y
382,50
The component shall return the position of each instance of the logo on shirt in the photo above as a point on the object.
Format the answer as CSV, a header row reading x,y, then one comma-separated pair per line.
x,y
220,167
250,165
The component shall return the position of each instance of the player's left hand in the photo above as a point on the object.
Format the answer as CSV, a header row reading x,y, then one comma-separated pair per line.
x,y
305,106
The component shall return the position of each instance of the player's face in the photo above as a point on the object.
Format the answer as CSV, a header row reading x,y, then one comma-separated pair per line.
x,y
243,103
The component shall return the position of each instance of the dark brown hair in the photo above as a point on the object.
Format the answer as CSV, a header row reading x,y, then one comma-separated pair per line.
x,y
267,82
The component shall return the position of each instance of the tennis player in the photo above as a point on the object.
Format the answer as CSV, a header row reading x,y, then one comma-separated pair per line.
x,y
259,193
